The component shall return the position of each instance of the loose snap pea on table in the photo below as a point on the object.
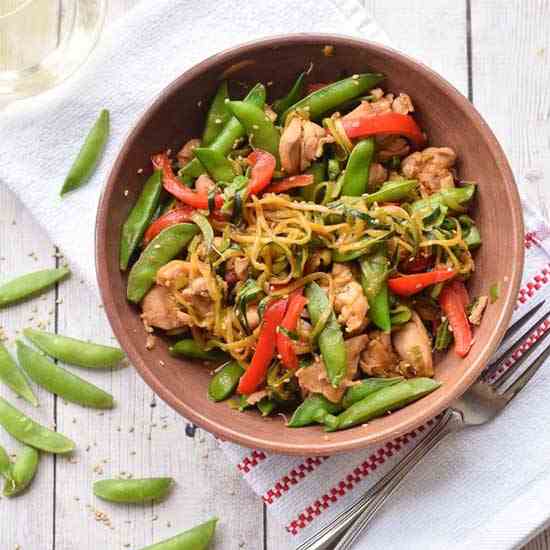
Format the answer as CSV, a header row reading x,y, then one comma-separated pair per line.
x,y
140,217
22,471
356,176
60,381
312,410
133,490
30,285
73,351
189,348
219,168
14,378
89,154
366,387
225,381
197,538
217,117
331,96
30,432
163,248
5,463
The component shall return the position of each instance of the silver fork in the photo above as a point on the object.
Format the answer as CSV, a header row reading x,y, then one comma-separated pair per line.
x,y
480,404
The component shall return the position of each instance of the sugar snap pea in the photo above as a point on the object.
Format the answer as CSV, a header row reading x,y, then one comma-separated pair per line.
x,y
30,432
374,275
89,154
30,285
453,198
294,95
5,464
366,387
133,490
397,190
225,381
356,176
380,402
14,378
216,164
217,117
140,217
22,472
163,248
313,410
189,348
60,381
197,538
73,351
266,406
331,339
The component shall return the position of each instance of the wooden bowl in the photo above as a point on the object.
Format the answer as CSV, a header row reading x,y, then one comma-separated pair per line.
x,y
449,119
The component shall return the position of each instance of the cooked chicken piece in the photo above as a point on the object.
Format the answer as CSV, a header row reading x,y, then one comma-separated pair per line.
x,y
391,146
477,310
377,175
239,266
350,302
379,359
402,104
252,316
160,310
198,297
313,379
174,274
204,184
388,103
414,346
271,114
185,154
432,167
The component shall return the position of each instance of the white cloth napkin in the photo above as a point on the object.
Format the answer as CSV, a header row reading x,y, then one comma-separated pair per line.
x,y
485,488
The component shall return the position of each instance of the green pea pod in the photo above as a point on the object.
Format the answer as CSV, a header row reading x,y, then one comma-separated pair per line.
x,y
217,117
231,133
261,132
443,336
163,248
334,169
28,431
453,198
294,95
89,154
60,381
330,339
392,191
225,381
366,387
189,348
216,164
30,285
312,410
140,217
14,378
318,170
266,406
22,472
335,94
382,401
374,275
73,351
197,538
356,176
5,464
133,490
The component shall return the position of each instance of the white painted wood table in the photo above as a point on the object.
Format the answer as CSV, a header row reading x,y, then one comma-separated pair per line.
x,y
495,51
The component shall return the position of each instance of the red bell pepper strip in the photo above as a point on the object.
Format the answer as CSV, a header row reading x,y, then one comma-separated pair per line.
x,y
407,285
296,304
290,183
364,125
265,348
451,302
176,188
263,165
180,214
462,292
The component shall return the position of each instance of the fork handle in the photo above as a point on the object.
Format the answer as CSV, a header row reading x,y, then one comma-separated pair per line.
x,y
450,421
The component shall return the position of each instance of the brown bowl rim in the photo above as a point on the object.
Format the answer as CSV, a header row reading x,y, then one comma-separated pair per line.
x,y
356,440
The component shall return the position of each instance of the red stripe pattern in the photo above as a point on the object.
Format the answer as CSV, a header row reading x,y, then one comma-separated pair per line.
x,y
536,283
530,239
248,462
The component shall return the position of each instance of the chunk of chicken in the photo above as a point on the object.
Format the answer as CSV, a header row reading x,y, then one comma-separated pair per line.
x,y
252,316
414,346
239,266
350,302
186,154
379,359
160,310
432,167
313,379
382,104
377,175
391,146
477,310
198,297
174,274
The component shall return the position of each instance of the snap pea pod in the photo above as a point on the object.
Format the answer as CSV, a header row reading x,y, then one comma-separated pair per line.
x,y
140,217
261,132
30,285
14,378
89,154
133,490
163,248
217,117
73,351
380,402
392,191
333,169
366,387
313,410
189,348
374,275
216,164
266,406
294,95
197,538
318,171
225,381
30,432
453,198
60,381
22,472
333,95
330,339
228,137
5,464
470,232
356,176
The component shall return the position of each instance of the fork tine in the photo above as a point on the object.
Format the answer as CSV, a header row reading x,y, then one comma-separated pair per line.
x,y
522,320
523,380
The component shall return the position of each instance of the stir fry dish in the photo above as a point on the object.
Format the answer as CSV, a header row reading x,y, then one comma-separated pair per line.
x,y
314,247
